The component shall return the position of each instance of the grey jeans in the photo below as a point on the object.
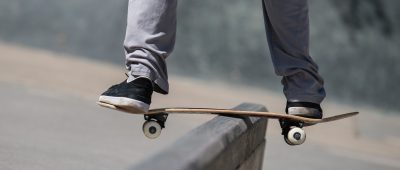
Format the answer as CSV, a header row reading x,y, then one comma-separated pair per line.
x,y
150,38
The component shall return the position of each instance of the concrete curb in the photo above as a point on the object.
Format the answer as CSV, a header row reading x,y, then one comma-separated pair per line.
x,y
224,142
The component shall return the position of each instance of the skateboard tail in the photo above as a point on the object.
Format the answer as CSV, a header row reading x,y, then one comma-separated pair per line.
x,y
338,117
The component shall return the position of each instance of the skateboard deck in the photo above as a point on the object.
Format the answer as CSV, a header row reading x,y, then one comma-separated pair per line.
x,y
291,125
272,115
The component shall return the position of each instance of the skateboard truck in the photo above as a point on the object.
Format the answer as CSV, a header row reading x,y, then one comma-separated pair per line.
x,y
292,132
153,124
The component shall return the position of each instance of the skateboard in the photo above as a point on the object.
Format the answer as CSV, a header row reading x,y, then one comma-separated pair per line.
x,y
291,125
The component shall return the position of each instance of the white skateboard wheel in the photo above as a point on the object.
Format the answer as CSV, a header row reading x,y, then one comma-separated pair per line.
x,y
295,136
151,129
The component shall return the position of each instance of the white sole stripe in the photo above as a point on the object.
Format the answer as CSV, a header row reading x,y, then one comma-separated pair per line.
x,y
125,102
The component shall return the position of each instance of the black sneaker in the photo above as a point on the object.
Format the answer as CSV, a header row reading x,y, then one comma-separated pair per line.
x,y
134,96
304,109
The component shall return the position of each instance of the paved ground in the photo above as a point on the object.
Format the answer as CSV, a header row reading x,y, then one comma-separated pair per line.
x,y
49,120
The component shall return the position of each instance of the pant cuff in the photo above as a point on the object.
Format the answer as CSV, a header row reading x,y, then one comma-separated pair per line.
x,y
141,71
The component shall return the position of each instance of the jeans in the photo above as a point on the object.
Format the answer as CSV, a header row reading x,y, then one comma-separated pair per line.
x,y
150,39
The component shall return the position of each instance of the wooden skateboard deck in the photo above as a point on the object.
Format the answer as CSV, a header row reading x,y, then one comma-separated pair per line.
x,y
291,125
272,115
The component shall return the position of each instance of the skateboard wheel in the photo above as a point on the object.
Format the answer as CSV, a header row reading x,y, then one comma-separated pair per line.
x,y
151,129
295,136
287,141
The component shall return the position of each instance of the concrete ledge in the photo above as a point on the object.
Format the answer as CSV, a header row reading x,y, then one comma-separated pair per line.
x,y
223,143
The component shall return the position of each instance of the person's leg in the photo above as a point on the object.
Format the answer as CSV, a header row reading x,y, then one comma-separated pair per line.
x,y
287,28
150,38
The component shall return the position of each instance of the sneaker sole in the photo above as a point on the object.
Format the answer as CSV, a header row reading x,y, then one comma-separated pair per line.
x,y
126,103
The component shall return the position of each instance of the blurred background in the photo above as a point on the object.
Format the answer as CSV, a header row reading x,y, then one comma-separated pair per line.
x,y
72,50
